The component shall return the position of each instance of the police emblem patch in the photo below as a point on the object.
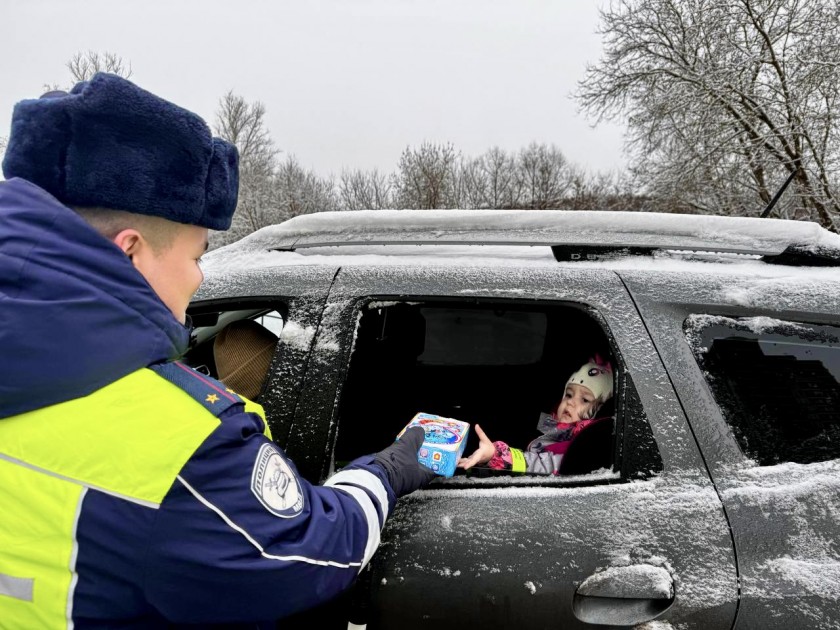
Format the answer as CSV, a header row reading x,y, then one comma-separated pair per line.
x,y
274,483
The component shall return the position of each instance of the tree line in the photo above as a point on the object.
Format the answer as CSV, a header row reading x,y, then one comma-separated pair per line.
x,y
723,101
429,176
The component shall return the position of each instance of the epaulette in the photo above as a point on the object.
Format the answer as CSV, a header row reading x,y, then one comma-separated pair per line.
x,y
214,395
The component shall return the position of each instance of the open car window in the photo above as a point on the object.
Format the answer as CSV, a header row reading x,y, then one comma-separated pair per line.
x,y
208,322
499,365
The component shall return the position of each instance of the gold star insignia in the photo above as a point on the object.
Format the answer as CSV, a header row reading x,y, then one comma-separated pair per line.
x,y
211,398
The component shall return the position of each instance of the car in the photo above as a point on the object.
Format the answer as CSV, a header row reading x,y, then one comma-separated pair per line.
x,y
711,501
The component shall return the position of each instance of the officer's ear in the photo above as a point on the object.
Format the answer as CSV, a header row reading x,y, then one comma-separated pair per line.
x,y
131,242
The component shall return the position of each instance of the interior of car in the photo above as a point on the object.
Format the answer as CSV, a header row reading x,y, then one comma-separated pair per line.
x,y
208,323
498,365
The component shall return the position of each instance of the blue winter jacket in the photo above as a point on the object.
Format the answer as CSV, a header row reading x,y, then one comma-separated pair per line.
x,y
75,318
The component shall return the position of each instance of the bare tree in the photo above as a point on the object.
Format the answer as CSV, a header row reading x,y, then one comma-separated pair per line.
x,y
543,175
471,184
364,190
538,176
426,177
298,191
84,65
491,180
243,124
504,188
602,191
724,99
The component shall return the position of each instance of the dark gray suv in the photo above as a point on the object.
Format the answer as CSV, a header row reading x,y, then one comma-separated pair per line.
x,y
711,501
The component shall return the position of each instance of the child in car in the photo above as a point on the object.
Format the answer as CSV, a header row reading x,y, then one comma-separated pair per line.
x,y
587,389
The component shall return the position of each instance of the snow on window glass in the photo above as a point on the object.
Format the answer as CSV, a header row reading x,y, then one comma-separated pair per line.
x,y
777,383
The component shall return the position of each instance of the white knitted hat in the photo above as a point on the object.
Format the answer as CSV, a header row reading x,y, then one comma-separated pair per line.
x,y
597,376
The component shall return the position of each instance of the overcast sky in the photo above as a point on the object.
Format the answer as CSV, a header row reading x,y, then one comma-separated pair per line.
x,y
346,83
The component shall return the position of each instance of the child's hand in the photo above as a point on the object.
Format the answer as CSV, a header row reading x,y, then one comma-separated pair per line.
x,y
483,454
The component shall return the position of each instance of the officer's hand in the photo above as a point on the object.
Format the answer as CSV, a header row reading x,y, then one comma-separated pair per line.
x,y
399,461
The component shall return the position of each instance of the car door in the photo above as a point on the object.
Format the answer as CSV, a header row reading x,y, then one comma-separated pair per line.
x,y
535,552
761,385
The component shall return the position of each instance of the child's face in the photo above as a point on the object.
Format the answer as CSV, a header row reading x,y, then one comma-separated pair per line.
x,y
578,404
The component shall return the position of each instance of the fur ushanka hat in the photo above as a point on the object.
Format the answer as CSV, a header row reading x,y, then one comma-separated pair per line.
x,y
110,144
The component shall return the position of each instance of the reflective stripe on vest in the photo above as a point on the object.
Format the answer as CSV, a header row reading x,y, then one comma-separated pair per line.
x,y
129,439
518,463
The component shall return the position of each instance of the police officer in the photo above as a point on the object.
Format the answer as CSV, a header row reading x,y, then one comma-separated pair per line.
x,y
134,491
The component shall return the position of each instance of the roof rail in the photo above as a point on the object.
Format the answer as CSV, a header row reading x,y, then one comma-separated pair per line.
x,y
776,240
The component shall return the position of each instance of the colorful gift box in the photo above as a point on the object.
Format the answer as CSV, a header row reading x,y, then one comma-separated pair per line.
x,y
444,443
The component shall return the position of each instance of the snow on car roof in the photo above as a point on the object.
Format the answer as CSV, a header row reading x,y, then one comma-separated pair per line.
x,y
497,238
553,227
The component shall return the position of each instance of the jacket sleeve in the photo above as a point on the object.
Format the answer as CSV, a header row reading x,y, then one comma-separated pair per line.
x,y
535,462
542,462
242,537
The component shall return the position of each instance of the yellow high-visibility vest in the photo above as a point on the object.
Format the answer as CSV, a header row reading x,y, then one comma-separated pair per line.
x,y
129,439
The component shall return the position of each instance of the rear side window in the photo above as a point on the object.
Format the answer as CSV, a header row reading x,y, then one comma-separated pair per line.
x,y
777,384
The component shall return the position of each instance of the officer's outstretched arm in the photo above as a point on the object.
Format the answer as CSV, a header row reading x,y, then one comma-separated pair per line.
x,y
242,537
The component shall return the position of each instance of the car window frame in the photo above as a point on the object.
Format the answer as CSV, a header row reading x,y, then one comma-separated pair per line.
x,y
601,290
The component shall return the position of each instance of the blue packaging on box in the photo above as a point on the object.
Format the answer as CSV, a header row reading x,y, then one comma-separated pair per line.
x,y
445,441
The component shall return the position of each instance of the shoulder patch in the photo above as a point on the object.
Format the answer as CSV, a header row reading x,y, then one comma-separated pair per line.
x,y
213,395
275,484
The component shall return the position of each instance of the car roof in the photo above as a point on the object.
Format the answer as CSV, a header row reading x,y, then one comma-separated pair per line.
x,y
701,250
635,230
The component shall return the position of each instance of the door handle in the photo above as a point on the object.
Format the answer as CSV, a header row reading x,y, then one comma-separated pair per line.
x,y
624,596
